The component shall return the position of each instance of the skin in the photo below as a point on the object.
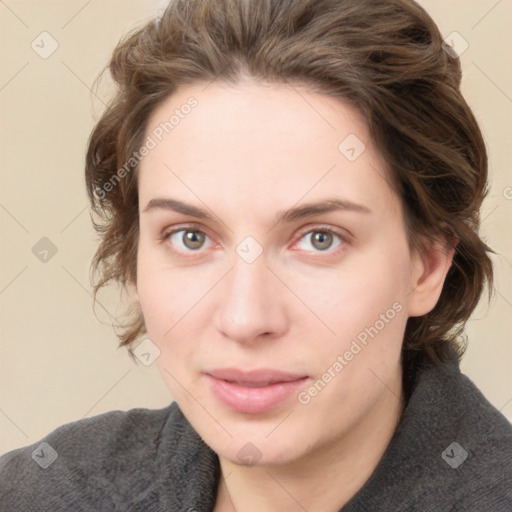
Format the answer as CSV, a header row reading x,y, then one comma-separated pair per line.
x,y
245,153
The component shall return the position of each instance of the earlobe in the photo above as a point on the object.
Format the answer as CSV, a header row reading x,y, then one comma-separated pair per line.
x,y
428,277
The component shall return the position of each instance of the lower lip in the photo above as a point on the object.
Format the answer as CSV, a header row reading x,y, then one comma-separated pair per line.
x,y
253,400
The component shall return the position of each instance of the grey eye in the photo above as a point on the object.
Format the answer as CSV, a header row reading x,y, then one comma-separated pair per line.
x,y
189,239
321,240
193,239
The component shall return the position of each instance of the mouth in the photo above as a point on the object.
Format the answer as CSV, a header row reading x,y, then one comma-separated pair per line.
x,y
253,392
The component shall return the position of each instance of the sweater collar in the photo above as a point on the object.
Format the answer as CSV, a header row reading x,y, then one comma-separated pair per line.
x,y
192,469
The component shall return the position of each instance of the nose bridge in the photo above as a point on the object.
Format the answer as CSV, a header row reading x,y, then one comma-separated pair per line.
x,y
249,305
249,277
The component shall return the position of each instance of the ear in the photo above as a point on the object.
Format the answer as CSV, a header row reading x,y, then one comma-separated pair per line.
x,y
429,273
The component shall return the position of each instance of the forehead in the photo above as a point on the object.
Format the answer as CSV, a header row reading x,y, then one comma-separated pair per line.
x,y
252,113
254,145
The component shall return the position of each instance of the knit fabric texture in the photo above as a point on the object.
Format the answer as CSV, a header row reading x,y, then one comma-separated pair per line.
x,y
451,452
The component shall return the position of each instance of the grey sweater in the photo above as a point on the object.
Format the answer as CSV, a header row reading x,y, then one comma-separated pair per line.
x,y
451,452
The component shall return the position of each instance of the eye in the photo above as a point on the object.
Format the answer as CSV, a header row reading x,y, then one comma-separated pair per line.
x,y
321,239
190,239
186,239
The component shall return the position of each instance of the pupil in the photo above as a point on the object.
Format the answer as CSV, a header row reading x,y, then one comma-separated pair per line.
x,y
194,239
323,239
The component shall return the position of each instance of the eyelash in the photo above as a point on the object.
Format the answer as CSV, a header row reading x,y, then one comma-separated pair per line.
x,y
166,235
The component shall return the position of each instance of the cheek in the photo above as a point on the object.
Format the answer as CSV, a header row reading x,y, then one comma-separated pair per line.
x,y
166,305
352,297
154,302
161,291
173,301
156,294
364,304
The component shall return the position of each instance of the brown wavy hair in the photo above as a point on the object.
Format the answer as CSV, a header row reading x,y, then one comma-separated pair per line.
x,y
386,58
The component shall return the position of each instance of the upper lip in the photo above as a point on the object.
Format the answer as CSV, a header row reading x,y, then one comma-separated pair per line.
x,y
268,376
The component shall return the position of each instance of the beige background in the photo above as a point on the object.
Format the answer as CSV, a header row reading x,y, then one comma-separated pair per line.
x,y
58,361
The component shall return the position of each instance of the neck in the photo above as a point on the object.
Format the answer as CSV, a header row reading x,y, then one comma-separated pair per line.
x,y
324,480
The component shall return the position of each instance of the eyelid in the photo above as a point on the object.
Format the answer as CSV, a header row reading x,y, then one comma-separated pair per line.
x,y
324,228
182,227
345,238
167,233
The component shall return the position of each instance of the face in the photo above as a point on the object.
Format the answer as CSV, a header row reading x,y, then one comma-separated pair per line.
x,y
279,323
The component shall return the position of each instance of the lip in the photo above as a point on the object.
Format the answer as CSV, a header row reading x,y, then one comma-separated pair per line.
x,y
254,391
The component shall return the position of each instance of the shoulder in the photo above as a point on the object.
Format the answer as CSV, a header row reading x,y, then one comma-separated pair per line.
x,y
484,443
452,451
80,461
470,454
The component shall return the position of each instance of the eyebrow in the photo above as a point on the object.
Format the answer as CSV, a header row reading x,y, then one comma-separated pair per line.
x,y
285,216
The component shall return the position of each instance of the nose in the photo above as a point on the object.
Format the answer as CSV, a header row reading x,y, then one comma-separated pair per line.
x,y
251,303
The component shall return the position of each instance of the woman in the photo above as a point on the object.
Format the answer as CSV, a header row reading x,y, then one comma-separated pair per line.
x,y
291,191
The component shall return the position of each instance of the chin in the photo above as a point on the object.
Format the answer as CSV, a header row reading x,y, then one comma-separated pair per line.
x,y
254,449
